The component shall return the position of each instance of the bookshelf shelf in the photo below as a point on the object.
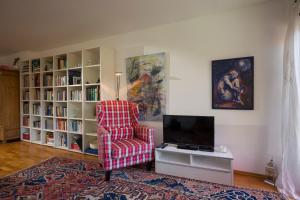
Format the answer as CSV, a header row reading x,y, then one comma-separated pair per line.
x,y
48,130
92,84
92,134
93,120
58,96
73,68
62,131
92,66
37,142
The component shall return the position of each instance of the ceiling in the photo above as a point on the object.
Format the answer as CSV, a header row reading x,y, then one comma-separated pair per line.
x,y
41,24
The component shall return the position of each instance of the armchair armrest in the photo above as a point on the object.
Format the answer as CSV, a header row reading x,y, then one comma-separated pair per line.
x,y
104,144
144,133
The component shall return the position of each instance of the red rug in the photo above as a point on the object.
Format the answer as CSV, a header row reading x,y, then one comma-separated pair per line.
x,y
61,178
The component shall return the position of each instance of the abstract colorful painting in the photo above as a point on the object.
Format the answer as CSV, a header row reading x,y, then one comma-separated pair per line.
x,y
146,85
233,83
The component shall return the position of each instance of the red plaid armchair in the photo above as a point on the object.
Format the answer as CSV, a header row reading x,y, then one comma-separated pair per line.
x,y
122,141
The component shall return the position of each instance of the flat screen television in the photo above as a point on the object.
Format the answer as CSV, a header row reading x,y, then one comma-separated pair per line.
x,y
189,132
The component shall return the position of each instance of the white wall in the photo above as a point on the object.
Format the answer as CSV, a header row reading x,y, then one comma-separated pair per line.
x,y
255,31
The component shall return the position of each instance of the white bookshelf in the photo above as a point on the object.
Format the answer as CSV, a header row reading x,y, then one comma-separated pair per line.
x,y
72,81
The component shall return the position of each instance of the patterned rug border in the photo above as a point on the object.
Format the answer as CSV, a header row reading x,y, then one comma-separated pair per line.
x,y
152,172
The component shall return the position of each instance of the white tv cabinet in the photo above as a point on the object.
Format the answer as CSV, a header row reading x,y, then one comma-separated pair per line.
x,y
213,167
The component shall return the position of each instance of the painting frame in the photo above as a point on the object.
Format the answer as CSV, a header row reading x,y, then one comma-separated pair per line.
x,y
147,84
216,104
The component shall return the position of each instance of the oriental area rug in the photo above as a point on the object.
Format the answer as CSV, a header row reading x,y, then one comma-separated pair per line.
x,y
62,178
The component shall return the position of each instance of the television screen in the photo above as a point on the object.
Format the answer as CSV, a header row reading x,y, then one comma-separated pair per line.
x,y
189,130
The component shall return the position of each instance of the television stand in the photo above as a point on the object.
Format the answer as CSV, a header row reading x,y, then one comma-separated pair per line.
x,y
207,166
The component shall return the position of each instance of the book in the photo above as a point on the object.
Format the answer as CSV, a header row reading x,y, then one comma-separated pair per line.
x,y
49,110
61,111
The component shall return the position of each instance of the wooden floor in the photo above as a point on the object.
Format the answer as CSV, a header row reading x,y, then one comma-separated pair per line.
x,y
16,156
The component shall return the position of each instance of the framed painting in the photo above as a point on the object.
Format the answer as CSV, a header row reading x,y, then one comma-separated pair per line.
x,y
233,83
146,85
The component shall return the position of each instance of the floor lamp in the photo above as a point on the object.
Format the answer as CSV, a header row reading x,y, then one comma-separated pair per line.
x,y
118,77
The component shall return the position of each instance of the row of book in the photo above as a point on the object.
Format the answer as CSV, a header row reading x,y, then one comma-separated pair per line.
x,y
49,124
25,121
75,80
62,141
61,124
76,95
61,111
48,95
48,80
37,94
37,124
61,95
49,110
25,108
26,81
36,80
26,95
60,80
36,109
76,126
93,93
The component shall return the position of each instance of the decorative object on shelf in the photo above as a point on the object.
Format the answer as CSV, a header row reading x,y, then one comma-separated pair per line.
x,y
118,77
146,85
233,84
271,173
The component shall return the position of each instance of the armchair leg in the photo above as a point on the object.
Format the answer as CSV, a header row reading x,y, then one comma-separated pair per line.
x,y
149,165
107,175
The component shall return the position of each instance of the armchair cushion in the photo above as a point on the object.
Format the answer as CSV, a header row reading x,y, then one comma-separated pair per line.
x,y
130,147
120,133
